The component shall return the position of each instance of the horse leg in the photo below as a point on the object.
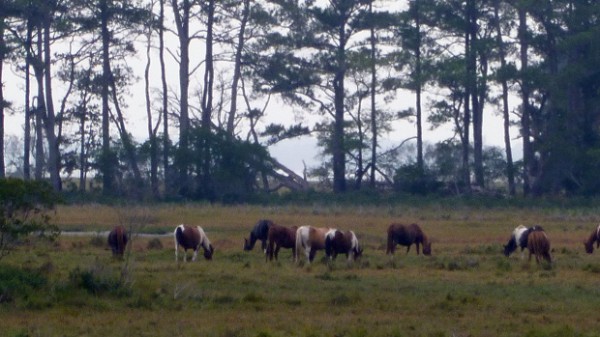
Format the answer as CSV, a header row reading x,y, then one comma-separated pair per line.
x,y
417,244
311,255
176,246
264,246
277,252
407,249
195,254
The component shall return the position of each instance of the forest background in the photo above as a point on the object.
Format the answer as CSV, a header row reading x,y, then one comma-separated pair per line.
x,y
219,75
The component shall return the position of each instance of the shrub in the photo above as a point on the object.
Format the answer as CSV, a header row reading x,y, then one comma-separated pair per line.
x,y
23,210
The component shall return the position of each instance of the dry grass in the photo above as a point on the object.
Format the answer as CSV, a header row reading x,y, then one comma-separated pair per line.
x,y
467,288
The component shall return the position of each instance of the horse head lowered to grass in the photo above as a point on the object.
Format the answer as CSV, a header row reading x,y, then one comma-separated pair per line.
x,y
190,237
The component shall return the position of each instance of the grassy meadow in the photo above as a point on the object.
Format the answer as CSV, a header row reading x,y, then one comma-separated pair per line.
x,y
74,287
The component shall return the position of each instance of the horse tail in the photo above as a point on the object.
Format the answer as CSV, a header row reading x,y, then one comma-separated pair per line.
x,y
120,240
298,243
329,245
390,241
178,238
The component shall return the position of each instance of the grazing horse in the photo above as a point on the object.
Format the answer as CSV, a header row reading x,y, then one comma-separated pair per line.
x,y
518,238
190,237
338,242
280,237
594,237
117,240
406,235
259,232
310,239
539,245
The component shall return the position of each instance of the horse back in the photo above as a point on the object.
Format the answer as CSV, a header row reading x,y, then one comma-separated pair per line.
x,y
405,235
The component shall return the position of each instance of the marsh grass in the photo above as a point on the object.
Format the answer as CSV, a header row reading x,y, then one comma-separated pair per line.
x,y
467,287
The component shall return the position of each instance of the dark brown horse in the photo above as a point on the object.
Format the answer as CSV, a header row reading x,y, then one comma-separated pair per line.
x,y
406,235
117,240
338,242
280,237
539,245
594,238
259,233
190,237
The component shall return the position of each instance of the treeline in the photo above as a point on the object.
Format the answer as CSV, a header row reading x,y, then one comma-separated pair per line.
x,y
536,63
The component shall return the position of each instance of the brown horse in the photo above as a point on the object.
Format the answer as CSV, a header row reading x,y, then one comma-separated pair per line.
x,y
192,238
539,245
406,235
338,242
280,237
594,237
117,240
310,239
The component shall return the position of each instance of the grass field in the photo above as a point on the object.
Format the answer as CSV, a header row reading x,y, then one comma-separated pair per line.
x,y
466,288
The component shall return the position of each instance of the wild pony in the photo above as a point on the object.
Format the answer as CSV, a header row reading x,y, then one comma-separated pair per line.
x,y
594,237
117,240
539,245
280,237
310,239
190,237
518,238
406,235
338,242
259,232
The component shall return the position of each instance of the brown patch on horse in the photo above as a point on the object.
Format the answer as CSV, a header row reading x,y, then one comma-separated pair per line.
x,y
316,237
117,240
594,237
280,237
539,245
407,235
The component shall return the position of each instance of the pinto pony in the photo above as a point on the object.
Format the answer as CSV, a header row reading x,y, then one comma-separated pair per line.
x,y
259,232
594,237
406,235
117,240
539,245
338,242
310,239
190,237
280,237
518,238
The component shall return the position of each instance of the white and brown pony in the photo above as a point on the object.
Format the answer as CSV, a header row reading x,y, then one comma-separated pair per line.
x,y
593,238
538,244
280,237
310,239
338,242
407,235
117,240
189,237
518,238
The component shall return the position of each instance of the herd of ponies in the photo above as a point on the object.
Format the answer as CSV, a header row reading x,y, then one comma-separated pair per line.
x,y
309,239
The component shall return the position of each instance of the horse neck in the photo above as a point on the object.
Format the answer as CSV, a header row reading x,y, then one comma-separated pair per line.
x,y
253,240
592,238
